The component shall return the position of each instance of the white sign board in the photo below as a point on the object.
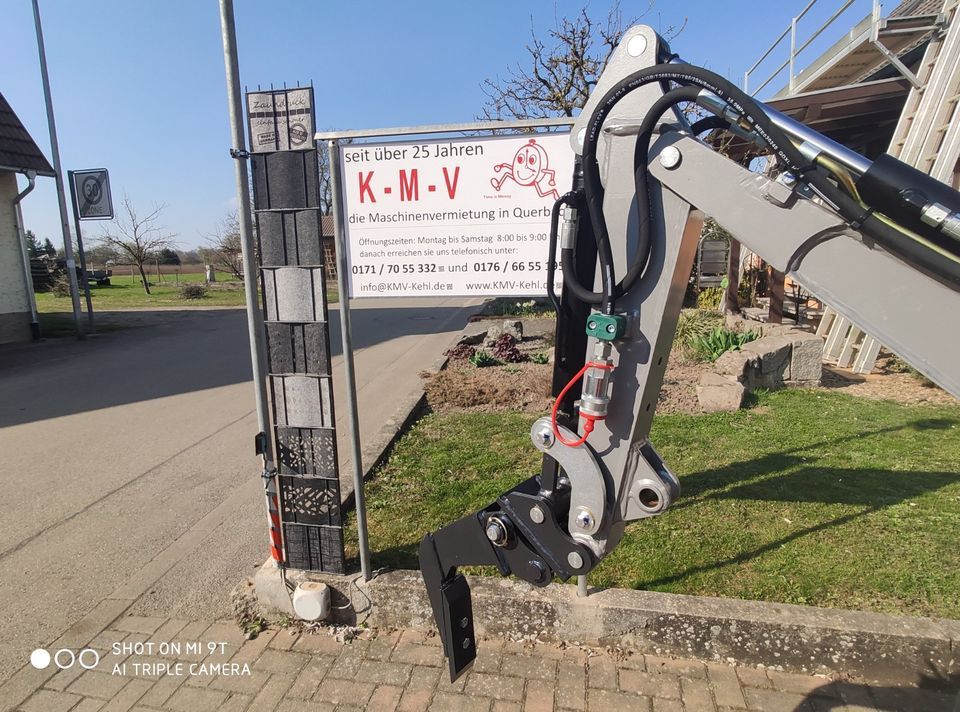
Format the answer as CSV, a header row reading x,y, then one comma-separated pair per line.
x,y
467,217
280,120
91,191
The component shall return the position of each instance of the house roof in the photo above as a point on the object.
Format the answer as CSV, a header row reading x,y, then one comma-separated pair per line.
x,y
18,151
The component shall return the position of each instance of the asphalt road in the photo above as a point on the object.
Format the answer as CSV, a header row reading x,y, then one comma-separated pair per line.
x,y
128,459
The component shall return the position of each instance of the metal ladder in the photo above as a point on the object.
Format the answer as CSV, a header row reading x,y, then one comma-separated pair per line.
x,y
927,137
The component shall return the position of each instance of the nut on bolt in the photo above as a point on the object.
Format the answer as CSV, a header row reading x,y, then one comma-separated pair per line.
x,y
497,532
536,514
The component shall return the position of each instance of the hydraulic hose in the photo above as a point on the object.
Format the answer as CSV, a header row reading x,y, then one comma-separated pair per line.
x,y
644,211
783,150
709,123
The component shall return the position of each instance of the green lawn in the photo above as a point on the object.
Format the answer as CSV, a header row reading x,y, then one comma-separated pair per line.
x,y
808,497
126,292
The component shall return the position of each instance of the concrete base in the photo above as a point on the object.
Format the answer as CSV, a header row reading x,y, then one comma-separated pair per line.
x,y
799,639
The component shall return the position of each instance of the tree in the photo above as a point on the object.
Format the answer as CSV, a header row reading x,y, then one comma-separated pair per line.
x,y
189,257
226,252
34,248
98,254
137,236
48,249
166,256
562,70
326,196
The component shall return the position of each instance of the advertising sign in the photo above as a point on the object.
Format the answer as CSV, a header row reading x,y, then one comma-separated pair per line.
x,y
280,120
91,191
463,217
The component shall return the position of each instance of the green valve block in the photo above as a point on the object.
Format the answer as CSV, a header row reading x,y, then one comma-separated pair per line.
x,y
606,327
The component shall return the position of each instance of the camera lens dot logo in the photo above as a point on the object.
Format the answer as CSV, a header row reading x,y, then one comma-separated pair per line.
x,y
40,658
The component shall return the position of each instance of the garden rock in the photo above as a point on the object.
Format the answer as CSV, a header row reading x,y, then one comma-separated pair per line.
x,y
738,364
494,332
806,361
472,337
717,392
773,353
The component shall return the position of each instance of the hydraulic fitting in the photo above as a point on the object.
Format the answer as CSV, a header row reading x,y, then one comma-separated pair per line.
x,y
595,398
568,228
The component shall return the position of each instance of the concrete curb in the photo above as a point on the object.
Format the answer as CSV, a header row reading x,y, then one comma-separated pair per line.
x,y
799,639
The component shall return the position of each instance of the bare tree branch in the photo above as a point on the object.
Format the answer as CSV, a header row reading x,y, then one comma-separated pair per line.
x,y
137,236
225,249
561,70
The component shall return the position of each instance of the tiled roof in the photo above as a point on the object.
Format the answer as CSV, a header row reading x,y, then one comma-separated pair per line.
x,y
18,151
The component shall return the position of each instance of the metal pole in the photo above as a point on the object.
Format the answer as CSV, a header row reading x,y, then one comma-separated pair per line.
x,y
258,352
582,591
345,334
61,197
83,259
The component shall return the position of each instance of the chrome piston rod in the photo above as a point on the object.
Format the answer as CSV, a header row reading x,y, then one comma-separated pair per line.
x,y
811,142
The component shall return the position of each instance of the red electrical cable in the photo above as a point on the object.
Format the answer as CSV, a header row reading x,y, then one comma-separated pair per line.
x,y
590,419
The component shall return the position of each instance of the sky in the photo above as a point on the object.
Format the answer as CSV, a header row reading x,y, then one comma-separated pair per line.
x,y
138,87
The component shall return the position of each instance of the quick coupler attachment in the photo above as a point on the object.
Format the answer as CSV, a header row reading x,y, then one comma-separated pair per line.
x,y
520,534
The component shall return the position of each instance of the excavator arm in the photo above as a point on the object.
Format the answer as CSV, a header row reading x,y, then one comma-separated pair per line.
x,y
878,241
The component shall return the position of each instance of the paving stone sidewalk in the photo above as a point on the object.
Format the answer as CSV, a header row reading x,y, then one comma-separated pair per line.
x,y
290,670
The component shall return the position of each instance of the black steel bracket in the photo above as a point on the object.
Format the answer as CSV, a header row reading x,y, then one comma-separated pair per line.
x,y
526,540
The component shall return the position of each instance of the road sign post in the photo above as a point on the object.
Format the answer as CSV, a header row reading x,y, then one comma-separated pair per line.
x,y
92,200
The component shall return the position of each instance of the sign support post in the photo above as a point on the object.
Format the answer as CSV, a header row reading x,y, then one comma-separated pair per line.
x,y
238,152
58,178
83,259
333,147
255,328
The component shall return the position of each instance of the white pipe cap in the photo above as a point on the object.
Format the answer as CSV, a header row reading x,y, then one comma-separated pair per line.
x,y
311,601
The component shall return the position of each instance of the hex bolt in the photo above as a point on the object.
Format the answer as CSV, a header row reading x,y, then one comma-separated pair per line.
x,y
497,532
592,325
536,514
670,157
575,560
611,328
464,622
466,643
584,518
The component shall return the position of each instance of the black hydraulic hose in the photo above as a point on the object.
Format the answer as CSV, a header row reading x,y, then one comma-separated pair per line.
x,y
782,149
709,123
641,155
644,209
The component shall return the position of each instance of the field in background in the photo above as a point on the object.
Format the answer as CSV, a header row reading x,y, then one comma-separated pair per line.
x,y
126,292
